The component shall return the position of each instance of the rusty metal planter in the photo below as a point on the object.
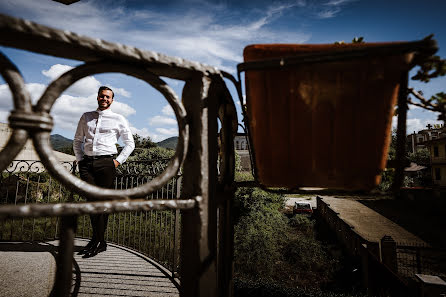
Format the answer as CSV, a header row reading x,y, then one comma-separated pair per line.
x,y
321,115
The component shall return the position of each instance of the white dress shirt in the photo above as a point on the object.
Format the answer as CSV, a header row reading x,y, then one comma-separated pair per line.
x,y
98,132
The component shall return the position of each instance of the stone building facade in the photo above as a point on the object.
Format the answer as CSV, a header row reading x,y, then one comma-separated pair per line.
x,y
241,147
417,140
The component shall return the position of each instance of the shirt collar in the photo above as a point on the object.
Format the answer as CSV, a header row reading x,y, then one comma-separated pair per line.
x,y
107,111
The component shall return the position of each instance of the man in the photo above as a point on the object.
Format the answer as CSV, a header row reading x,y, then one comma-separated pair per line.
x,y
95,147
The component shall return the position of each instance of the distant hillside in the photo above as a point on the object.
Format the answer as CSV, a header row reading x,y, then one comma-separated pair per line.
x,y
170,143
58,142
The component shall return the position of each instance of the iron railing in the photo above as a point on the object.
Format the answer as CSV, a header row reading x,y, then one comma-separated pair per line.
x,y
154,233
206,196
420,259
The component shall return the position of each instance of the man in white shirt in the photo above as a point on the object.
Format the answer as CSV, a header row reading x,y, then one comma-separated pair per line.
x,y
95,148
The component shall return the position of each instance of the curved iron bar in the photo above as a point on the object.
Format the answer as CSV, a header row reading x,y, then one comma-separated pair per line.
x,y
22,102
65,209
227,115
33,166
84,48
41,138
238,86
26,35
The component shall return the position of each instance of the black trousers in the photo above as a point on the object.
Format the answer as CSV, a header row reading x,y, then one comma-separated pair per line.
x,y
100,172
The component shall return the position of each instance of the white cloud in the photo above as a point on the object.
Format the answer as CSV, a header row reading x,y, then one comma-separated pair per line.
x,y
5,97
122,108
338,2
66,110
167,110
4,116
161,120
415,124
211,34
328,13
35,90
56,70
141,132
167,132
121,91
87,86
154,136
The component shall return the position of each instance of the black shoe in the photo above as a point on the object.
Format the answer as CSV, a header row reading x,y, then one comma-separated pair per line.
x,y
100,247
86,248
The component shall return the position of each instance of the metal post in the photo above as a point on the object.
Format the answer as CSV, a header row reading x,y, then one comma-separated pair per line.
x,y
64,268
176,235
226,248
198,233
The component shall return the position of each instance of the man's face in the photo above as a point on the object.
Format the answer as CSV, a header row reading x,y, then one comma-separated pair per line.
x,y
105,99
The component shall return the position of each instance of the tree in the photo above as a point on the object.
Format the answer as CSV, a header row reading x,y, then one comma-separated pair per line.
x,y
143,142
151,153
67,150
430,67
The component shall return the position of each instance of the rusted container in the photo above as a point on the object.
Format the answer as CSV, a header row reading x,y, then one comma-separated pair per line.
x,y
326,122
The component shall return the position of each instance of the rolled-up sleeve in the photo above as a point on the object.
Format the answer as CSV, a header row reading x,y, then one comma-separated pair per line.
x,y
79,139
127,138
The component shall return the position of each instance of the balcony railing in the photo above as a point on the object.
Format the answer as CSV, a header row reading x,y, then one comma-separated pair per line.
x,y
154,233
207,191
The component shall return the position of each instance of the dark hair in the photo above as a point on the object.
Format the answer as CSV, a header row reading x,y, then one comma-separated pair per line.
x,y
102,88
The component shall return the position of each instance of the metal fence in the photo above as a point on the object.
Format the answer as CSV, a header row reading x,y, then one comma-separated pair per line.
x,y
206,192
154,233
420,259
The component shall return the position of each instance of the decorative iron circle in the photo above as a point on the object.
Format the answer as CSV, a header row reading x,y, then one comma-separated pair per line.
x,y
55,89
22,107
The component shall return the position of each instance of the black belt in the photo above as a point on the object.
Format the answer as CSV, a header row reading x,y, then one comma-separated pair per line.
x,y
98,157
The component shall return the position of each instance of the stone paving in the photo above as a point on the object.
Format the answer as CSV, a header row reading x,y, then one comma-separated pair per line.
x,y
368,223
28,269
121,272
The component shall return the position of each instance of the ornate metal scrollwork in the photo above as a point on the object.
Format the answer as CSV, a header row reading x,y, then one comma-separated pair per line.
x,y
38,120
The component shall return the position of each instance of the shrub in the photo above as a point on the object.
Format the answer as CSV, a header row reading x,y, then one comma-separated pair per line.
x,y
271,247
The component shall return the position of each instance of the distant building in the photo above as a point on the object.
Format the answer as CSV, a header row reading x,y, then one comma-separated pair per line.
x,y
437,150
28,152
417,140
241,147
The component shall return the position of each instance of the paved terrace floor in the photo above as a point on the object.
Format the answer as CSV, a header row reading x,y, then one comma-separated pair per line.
x,y
28,269
368,223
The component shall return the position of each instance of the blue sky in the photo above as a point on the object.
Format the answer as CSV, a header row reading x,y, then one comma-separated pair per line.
x,y
210,32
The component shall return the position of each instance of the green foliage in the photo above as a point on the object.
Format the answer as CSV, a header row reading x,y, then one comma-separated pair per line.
x,y
354,40
268,288
302,223
253,200
271,247
421,156
58,142
151,153
387,178
243,176
170,143
430,67
67,150
257,228
238,162
358,40
143,142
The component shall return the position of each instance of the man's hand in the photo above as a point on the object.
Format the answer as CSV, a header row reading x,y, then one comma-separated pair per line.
x,y
116,163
